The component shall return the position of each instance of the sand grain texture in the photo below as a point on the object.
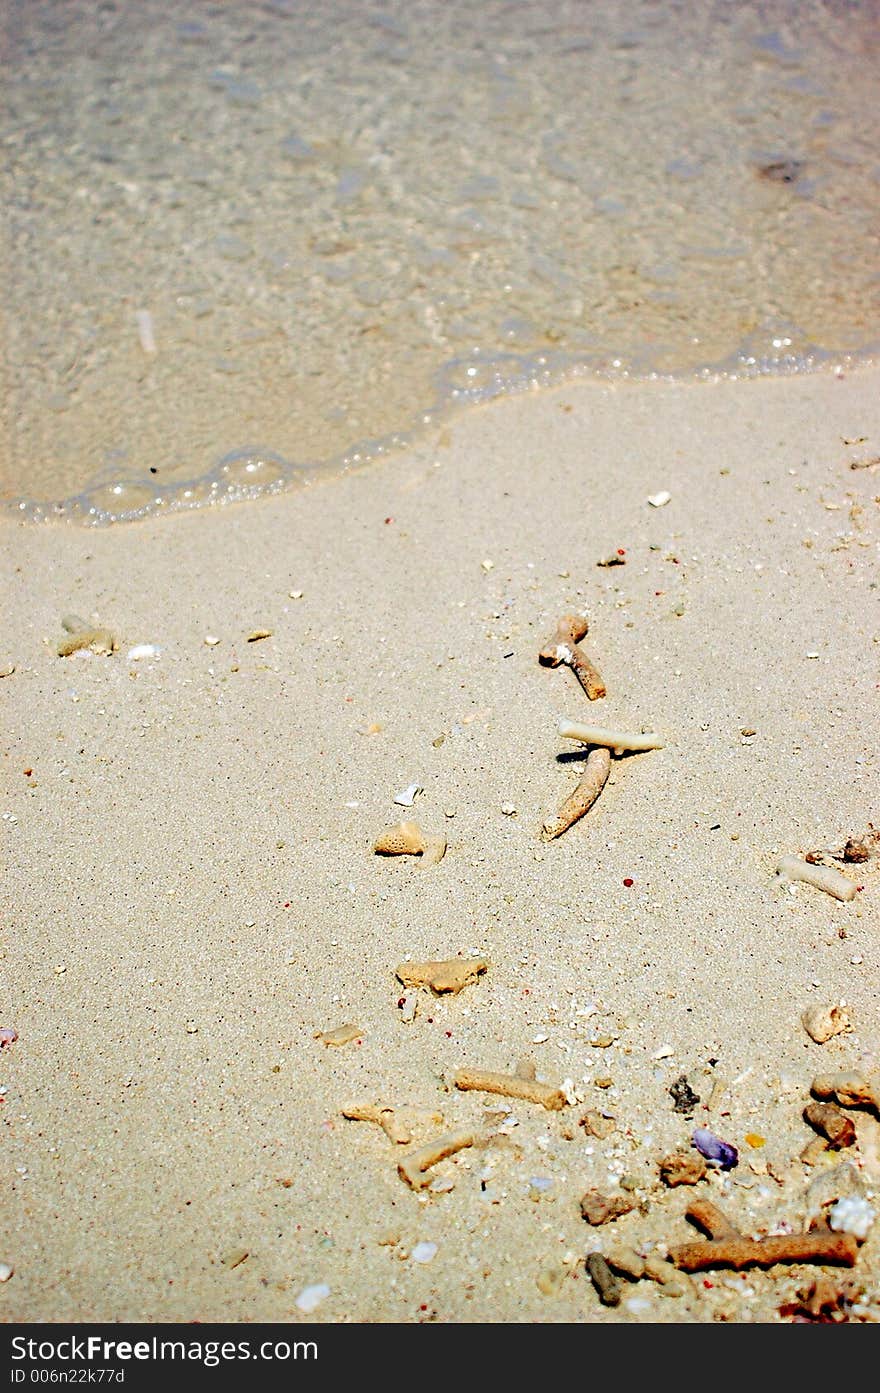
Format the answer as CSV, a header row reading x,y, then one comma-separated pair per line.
x,y
187,898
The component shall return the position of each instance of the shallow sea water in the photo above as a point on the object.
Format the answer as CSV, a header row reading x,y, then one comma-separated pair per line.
x,y
245,242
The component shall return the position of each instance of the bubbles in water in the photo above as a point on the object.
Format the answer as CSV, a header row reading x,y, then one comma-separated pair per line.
x,y
346,218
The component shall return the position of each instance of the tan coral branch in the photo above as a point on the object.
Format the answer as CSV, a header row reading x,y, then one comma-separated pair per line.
x,y
839,1248
413,1168
562,647
582,798
511,1086
726,1246
384,1116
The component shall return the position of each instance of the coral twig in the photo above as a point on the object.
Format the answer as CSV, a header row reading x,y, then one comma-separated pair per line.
x,y
727,1247
582,798
562,647
826,878
617,740
511,1086
384,1116
413,1168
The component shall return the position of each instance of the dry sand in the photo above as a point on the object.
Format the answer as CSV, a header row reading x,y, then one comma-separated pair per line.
x,y
189,892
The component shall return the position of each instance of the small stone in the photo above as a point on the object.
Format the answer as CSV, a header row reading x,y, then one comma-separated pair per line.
x,y
830,1122
296,594
191,1028
6,1271
508,809
6,670
340,1035
608,1287
597,1208
683,1096
659,500
682,1168
211,640
595,1124
311,1297
256,634
487,565
424,1252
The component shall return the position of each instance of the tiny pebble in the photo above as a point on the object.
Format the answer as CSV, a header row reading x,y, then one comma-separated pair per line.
x,y
423,1252
256,634
488,565
142,650
657,500
508,809
191,1028
6,670
6,1271
310,1298
296,594
211,640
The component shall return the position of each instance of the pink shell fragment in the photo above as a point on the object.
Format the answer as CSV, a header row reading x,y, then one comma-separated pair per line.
x,y
8,1036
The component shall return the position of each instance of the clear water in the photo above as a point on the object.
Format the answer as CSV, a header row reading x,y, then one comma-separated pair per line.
x,y
244,242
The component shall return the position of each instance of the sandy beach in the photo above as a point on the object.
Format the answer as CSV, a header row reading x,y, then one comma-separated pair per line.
x,y
190,895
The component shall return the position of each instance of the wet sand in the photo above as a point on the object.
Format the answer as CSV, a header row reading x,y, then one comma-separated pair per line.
x,y
190,893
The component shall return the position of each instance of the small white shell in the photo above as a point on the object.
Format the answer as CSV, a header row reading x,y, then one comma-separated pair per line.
x,y
407,796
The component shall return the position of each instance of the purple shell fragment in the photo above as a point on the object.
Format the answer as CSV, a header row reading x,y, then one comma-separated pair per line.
x,y
8,1036
714,1149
